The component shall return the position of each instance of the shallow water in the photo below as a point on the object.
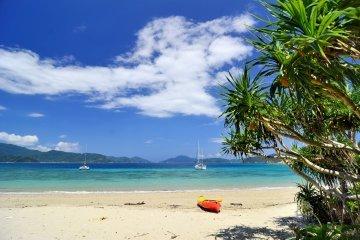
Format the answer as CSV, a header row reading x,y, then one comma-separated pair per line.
x,y
43,177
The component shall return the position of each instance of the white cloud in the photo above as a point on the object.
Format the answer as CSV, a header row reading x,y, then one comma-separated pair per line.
x,y
31,141
216,140
2,108
63,136
149,141
67,146
26,140
80,28
220,77
36,115
215,155
171,69
41,148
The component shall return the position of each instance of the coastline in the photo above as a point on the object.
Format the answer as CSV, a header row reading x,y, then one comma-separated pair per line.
x,y
47,192
99,215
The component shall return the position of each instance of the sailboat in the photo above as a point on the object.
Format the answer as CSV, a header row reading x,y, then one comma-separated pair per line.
x,y
199,163
84,166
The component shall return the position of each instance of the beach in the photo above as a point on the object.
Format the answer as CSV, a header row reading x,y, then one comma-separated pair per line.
x,y
246,214
154,120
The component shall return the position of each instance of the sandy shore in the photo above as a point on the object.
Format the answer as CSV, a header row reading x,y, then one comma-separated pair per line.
x,y
246,214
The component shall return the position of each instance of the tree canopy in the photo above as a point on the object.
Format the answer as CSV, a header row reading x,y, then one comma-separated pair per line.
x,y
303,87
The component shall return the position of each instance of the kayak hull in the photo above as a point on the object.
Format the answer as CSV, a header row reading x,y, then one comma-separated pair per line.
x,y
210,206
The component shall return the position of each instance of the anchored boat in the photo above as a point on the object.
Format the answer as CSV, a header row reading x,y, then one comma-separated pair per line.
x,y
200,165
84,166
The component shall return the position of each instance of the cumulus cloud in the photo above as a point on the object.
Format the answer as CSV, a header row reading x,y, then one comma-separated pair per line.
x,y
170,70
67,146
31,141
41,148
2,108
63,136
26,140
36,115
220,77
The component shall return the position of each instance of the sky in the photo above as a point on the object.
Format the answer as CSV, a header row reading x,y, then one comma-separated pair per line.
x,y
122,78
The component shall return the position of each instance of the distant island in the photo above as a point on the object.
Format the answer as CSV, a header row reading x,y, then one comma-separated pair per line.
x,y
188,160
14,153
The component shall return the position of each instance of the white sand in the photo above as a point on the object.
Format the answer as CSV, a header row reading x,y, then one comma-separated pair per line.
x,y
169,215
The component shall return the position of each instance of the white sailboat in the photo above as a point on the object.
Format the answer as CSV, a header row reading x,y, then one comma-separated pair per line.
x,y
199,163
84,166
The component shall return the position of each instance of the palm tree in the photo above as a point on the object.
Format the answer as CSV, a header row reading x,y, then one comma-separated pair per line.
x,y
309,55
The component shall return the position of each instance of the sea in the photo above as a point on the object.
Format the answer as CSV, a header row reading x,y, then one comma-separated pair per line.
x,y
65,177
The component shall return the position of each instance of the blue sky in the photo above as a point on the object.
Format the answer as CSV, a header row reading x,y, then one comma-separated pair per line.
x,y
125,78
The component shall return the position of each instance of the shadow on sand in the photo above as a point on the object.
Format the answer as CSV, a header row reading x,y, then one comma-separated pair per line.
x,y
247,232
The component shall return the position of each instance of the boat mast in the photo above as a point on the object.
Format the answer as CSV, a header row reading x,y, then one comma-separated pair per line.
x,y
202,156
198,152
85,154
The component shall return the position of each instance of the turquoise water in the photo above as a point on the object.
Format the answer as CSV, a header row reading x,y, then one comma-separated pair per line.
x,y
36,177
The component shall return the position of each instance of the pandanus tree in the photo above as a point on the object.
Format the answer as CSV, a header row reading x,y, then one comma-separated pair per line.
x,y
303,88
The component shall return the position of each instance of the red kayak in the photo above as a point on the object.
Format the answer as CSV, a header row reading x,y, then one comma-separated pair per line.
x,y
209,205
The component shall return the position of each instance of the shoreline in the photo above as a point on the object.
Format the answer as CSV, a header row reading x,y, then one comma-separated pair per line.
x,y
249,198
47,192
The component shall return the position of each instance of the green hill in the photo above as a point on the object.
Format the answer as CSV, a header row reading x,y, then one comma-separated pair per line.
x,y
188,160
181,159
13,153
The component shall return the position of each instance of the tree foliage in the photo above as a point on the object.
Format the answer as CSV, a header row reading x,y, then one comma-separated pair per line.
x,y
304,86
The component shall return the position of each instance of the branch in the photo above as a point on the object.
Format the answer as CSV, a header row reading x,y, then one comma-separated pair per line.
x,y
337,95
285,158
353,51
313,166
329,191
317,168
297,136
344,146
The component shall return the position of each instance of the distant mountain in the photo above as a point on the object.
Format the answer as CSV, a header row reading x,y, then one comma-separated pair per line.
x,y
179,160
220,160
13,153
9,149
188,160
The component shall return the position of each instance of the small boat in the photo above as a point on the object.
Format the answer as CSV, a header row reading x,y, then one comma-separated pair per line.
x,y
209,205
84,166
200,166
199,163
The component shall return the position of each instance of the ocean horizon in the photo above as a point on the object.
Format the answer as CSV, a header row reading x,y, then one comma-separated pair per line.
x,y
65,177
